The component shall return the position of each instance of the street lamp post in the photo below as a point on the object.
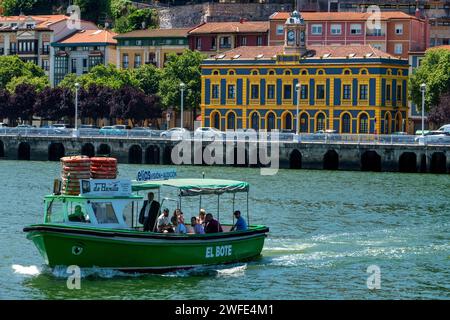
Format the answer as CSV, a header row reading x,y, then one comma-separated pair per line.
x,y
297,87
182,87
77,87
423,87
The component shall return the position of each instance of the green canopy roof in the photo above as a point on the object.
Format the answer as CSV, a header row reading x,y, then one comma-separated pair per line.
x,y
195,187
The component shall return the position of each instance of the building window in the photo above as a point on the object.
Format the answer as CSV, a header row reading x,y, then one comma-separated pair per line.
x,y
388,92
139,42
287,92
363,124
399,29
215,91
259,41
254,91
216,121
398,49
346,123
355,28
320,92
304,92
346,92
125,61
363,91
255,121
288,121
231,121
46,65
137,60
85,66
244,41
320,123
336,29
213,43
270,121
399,93
316,29
198,44
74,65
304,123
225,42
377,46
280,29
231,91
271,92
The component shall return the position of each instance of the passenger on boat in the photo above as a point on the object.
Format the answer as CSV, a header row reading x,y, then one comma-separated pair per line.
x,y
201,217
178,225
163,223
77,215
212,225
149,212
179,215
241,224
197,227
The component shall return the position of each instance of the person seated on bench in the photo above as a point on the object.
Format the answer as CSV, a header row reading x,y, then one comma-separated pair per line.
x,y
212,225
178,225
163,222
241,224
197,227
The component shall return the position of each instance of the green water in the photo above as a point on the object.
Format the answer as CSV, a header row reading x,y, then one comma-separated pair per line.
x,y
326,227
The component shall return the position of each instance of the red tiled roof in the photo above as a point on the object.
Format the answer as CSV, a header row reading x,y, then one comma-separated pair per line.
x,y
446,47
252,52
155,33
41,21
231,27
342,16
91,36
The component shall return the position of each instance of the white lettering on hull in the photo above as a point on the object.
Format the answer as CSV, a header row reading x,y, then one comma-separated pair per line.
x,y
219,251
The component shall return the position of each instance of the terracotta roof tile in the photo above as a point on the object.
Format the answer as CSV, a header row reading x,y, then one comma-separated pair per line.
x,y
155,33
232,27
90,36
446,47
252,53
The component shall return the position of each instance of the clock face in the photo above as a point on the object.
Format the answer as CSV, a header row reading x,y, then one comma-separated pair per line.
x,y
291,35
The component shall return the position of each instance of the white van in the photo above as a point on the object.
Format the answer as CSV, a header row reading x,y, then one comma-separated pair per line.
x,y
445,129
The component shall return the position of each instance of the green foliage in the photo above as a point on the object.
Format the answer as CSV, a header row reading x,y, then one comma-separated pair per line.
x,y
435,73
12,67
40,83
120,8
92,10
148,77
182,68
135,20
15,7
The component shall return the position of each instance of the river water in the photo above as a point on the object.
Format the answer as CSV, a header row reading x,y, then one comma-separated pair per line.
x,y
327,229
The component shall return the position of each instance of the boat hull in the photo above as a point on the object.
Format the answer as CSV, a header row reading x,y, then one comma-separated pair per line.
x,y
139,251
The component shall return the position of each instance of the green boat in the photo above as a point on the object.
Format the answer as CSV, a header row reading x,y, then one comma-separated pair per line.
x,y
112,238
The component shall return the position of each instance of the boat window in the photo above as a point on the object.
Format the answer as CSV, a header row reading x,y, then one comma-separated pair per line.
x,y
55,212
104,212
76,212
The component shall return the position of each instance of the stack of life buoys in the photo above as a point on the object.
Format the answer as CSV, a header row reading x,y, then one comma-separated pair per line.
x,y
74,169
103,168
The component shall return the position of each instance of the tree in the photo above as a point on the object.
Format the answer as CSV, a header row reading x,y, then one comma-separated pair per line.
x,y
95,102
15,7
22,102
92,10
108,76
182,68
12,66
435,73
5,97
54,103
38,82
440,114
148,77
135,20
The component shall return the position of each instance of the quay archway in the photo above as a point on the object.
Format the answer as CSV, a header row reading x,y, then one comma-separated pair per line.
x,y
423,163
407,162
438,163
167,155
295,160
135,154
88,150
371,161
24,151
152,155
331,160
2,149
56,151
104,150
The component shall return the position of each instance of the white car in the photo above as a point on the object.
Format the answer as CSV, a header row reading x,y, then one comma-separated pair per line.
x,y
433,138
174,133
445,129
208,133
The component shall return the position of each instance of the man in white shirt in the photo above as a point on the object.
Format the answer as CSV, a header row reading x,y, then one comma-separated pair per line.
x,y
163,223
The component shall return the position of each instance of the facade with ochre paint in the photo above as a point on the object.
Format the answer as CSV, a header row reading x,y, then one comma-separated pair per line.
x,y
350,89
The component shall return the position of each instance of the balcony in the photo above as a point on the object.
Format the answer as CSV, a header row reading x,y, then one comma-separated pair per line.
x,y
27,51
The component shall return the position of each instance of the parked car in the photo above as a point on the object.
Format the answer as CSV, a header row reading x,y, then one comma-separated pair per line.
x,y
208,133
445,129
141,131
3,125
174,133
112,131
433,138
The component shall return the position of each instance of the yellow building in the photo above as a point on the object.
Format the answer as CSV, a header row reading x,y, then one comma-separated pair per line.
x,y
149,46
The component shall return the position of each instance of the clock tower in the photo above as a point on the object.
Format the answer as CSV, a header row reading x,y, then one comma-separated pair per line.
x,y
295,34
